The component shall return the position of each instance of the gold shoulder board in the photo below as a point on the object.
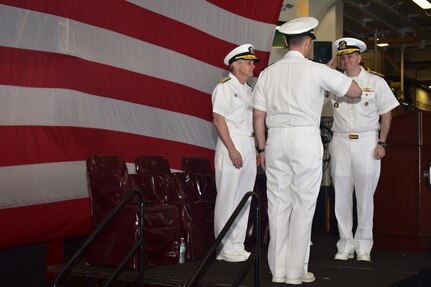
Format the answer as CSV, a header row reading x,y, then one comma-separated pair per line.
x,y
224,80
375,73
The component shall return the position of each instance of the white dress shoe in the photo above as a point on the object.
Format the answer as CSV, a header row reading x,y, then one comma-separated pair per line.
x,y
363,256
343,256
244,253
278,279
231,256
293,281
308,277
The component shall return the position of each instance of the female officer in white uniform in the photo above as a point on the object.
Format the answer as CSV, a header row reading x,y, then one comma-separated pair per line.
x,y
235,155
356,149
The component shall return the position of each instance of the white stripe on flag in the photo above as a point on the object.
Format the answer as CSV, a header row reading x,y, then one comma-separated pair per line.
x,y
61,107
48,33
214,21
42,183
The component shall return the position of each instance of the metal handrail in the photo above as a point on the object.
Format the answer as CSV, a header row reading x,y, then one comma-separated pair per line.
x,y
100,228
255,254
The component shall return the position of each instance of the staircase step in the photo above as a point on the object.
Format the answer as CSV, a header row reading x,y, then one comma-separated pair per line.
x,y
84,275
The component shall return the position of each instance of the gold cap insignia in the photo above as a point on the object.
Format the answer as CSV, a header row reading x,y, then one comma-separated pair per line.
x,y
342,45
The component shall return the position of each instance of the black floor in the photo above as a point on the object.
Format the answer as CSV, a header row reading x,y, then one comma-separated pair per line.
x,y
387,268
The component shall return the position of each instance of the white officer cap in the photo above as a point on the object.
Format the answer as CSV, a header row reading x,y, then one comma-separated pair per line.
x,y
243,52
299,27
348,45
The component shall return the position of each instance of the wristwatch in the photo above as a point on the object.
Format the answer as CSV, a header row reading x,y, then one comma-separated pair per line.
x,y
383,144
260,150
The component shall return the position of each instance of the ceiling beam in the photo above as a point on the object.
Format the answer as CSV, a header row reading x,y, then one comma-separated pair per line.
x,y
358,24
374,17
351,33
419,31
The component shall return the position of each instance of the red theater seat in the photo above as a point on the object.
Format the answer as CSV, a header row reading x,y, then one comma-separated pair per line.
x,y
197,216
199,177
109,181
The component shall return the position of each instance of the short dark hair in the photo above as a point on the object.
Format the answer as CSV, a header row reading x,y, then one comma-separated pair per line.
x,y
296,41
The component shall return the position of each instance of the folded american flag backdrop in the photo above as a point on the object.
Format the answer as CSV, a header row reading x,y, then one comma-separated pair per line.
x,y
126,78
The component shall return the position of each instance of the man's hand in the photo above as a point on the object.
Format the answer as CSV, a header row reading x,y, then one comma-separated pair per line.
x,y
379,152
331,62
236,158
262,160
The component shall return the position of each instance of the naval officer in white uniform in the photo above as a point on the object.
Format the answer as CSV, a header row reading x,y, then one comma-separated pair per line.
x,y
235,155
289,96
357,146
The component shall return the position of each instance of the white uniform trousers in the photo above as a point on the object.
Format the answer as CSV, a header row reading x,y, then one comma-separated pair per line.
x,y
294,173
354,168
232,184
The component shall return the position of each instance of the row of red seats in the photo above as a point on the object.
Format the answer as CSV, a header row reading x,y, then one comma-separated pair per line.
x,y
180,205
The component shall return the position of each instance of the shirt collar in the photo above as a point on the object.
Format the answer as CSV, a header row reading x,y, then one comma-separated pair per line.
x,y
294,54
362,74
235,80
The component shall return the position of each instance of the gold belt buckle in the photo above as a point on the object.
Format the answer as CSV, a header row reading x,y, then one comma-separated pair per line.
x,y
353,136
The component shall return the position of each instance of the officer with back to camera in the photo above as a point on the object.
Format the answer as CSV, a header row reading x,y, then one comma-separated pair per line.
x,y
289,97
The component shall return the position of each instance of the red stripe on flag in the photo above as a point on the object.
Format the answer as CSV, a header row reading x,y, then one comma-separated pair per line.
x,y
50,70
144,25
33,224
21,145
45,144
259,10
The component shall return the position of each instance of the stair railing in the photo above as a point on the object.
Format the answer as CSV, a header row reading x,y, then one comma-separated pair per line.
x,y
100,228
255,254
